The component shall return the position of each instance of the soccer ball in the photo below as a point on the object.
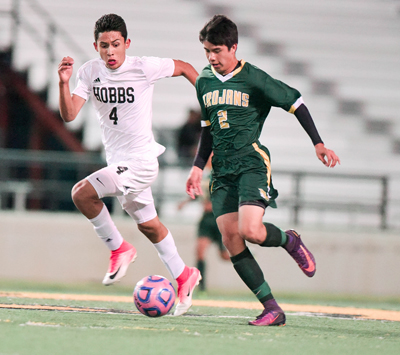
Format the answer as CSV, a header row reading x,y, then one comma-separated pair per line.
x,y
154,296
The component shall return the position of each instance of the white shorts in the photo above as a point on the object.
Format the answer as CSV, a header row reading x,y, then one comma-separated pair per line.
x,y
130,182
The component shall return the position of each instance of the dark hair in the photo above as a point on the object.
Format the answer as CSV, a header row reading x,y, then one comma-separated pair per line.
x,y
219,31
108,23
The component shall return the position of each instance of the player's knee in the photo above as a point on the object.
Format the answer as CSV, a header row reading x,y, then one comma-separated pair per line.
x,y
231,241
77,192
82,192
251,234
225,242
154,230
147,229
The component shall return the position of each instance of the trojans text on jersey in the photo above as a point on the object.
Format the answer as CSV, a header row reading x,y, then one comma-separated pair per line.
x,y
228,97
114,95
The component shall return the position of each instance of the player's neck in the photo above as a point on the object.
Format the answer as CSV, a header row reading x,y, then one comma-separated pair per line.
x,y
237,64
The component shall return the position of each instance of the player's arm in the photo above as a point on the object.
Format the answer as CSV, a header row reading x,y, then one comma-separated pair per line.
x,y
69,105
186,70
326,156
193,183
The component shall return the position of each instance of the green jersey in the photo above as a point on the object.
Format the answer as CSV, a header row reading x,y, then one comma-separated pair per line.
x,y
237,104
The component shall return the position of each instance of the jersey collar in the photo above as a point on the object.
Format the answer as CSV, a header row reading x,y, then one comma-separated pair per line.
x,y
226,77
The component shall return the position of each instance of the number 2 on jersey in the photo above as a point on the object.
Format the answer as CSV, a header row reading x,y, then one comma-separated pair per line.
x,y
222,118
113,115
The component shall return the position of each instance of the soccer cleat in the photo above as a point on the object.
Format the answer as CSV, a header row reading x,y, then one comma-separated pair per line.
x,y
185,292
269,318
119,262
298,251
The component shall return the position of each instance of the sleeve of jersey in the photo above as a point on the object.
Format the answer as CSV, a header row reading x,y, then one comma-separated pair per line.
x,y
82,88
157,68
279,94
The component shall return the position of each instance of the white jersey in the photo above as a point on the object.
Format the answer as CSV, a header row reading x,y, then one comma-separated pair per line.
x,y
123,101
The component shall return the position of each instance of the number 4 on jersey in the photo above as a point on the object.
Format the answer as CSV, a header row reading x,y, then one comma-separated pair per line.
x,y
113,115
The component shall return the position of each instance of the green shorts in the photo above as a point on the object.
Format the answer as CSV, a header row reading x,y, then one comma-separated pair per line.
x,y
208,228
241,177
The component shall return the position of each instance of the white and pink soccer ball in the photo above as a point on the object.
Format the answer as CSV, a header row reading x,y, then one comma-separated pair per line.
x,y
154,296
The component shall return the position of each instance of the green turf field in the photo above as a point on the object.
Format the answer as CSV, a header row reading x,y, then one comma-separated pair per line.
x,y
109,327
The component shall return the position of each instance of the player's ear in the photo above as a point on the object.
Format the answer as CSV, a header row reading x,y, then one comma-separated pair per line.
x,y
95,46
127,43
234,48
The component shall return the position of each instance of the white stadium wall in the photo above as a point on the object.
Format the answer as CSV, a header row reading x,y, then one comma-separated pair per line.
x,y
63,248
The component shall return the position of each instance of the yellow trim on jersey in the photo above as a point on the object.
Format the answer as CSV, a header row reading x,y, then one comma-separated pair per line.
x,y
211,187
296,105
205,123
242,63
213,70
231,74
263,194
266,161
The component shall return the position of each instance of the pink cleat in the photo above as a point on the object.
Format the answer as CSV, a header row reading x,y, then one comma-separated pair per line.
x,y
119,262
298,251
269,318
185,292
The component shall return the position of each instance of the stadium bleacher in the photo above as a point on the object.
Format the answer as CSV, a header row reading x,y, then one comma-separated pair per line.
x,y
342,55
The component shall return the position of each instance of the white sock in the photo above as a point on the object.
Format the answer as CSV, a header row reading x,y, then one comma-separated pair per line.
x,y
169,255
106,229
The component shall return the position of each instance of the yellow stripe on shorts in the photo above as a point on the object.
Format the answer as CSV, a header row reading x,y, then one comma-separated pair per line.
x,y
267,162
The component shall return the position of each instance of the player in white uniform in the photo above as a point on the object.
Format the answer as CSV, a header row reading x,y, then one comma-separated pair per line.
x,y
121,90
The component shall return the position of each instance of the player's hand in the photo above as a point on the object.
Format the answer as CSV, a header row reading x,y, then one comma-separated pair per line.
x,y
65,69
193,183
327,156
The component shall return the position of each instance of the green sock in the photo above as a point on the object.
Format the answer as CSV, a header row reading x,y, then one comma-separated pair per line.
x,y
201,266
251,274
276,237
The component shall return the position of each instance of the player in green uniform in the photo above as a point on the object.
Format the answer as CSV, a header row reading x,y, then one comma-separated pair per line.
x,y
235,98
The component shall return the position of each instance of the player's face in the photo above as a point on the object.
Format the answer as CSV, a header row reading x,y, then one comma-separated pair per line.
x,y
222,59
112,48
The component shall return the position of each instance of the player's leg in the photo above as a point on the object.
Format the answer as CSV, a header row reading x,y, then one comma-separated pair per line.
x,y
223,252
225,206
249,270
87,195
141,208
143,211
202,246
187,278
292,243
257,192
268,235
252,228
87,200
205,230
214,235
